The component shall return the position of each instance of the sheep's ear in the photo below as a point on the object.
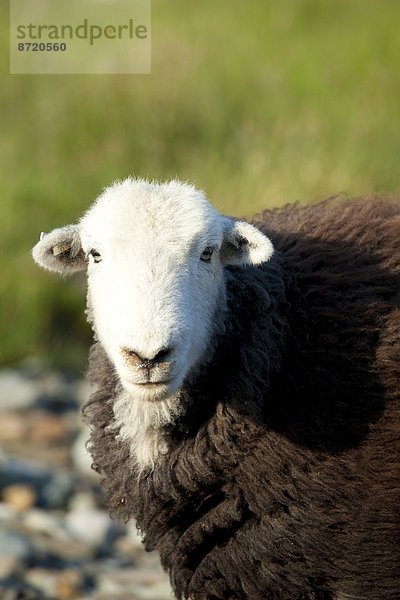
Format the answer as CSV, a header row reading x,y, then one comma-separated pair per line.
x,y
244,244
60,250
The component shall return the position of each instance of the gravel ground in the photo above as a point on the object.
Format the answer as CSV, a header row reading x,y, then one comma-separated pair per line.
x,y
56,538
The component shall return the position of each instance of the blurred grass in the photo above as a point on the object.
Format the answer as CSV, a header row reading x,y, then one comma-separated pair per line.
x,y
258,103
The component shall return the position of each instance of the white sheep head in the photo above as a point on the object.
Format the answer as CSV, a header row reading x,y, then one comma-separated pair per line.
x,y
155,257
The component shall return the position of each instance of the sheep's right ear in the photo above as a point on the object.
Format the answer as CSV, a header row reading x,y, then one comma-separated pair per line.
x,y
244,244
60,250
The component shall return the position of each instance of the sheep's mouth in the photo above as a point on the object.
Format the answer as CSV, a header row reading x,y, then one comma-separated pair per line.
x,y
153,389
153,384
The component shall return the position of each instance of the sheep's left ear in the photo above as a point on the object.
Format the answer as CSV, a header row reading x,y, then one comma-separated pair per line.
x,y
244,244
60,250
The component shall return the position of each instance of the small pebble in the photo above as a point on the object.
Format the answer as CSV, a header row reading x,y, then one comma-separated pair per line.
x,y
9,565
17,391
81,457
40,521
13,427
82,501
47,428
58,490
21,497
90,526
44,579
7,512
69,584
14,544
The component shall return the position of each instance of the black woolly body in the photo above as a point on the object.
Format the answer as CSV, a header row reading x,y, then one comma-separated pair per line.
x,y
283,478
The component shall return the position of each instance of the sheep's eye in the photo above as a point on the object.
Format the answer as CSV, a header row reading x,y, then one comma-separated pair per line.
x,y
207,254
95,254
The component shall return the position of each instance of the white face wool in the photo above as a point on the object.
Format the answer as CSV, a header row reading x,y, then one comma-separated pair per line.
x,y
155,257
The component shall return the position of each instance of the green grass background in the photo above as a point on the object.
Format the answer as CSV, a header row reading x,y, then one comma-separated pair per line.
x,y
260,103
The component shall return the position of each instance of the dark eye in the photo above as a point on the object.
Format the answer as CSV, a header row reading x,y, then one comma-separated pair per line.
x,y
207,254
96,255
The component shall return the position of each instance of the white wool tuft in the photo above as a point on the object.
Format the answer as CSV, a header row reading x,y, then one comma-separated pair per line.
x,y
141,425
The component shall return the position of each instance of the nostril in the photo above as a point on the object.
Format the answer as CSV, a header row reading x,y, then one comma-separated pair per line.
x,y
131,356
161,354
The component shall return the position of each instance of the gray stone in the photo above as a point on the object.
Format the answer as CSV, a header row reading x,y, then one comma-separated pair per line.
x,y
16,391
14,471
43,579
89,525
69,551
82,500
58,490
81,457
9,566
55,392
143,585
53,490
41,521
83,390
14,544
17,590
134,535
7,512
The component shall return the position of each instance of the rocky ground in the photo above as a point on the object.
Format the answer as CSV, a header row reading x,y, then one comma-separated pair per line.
x,y
56,539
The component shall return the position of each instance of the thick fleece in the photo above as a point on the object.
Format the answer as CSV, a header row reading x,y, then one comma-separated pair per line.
x,y
283,478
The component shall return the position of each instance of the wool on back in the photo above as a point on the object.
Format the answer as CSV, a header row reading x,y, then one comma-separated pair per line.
x,y
283,475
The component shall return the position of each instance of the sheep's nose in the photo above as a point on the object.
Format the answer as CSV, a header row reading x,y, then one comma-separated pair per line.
x,y
142,362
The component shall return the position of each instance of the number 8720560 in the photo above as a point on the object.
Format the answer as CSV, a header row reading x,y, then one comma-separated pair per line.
x,y
42,47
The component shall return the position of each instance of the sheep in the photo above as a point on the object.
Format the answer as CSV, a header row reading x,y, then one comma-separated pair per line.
x,y
246,411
